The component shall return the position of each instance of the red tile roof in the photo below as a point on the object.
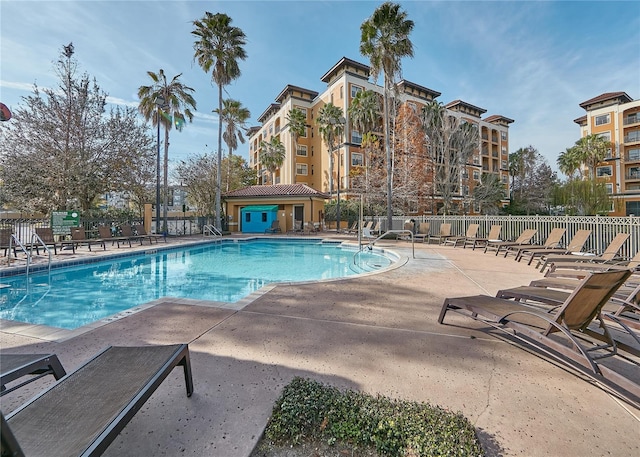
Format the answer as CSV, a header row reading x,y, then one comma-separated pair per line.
x,y
278,190
607,96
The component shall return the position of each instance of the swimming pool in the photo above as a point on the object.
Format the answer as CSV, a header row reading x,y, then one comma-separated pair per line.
x,y
225,271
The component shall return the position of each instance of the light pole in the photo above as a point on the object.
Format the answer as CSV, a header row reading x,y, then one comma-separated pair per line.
x,y
159,102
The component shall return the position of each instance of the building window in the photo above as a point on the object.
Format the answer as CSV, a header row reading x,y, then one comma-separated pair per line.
x,y
609,187
301,169
605,135
465,190
603,119
341,92
356,138
476,160
354,90
302,150
505,178
504,151
503,164
503,135
603,172
476,175
633,154
357,159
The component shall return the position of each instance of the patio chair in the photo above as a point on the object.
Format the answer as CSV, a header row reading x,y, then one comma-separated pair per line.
x,y
46,235
422,234
5,241
493,236
16,366
79,237
141,232
442,235
106,235
127,232
83,413
297,227
471,233
275,227
575,246
564,332
610,254
525,238
553,241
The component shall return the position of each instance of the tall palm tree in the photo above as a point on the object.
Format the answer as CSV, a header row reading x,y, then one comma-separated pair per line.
x,y
218,48
297,122
568,162
177,102
235,117
272,156
330,121
385,40
364,114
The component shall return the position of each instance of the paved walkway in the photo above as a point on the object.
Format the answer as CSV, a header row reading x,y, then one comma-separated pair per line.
x,y
376,333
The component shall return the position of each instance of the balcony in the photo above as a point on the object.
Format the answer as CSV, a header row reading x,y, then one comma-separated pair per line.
x,y
633,137
633,155
632,119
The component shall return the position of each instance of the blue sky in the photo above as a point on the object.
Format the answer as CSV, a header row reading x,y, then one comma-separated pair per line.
x,y
531,61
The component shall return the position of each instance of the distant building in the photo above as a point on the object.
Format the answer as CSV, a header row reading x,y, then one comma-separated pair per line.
x,y
616,117
309,162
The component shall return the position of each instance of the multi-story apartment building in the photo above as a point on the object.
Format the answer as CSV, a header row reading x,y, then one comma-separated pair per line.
x,y
616,117
309,163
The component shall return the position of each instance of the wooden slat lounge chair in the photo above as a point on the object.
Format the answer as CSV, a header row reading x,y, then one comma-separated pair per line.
x,y
442,235
141,232
525,238
563,332
79,237
575,246
83,413
493,236
106,236
471,233
609,254
553,241
16,366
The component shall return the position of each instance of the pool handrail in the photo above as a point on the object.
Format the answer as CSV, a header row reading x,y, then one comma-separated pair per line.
x,y
211,229
371,243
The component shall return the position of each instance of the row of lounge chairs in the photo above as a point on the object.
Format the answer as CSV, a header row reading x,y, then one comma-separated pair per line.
x,y
84,411
129,234
591,326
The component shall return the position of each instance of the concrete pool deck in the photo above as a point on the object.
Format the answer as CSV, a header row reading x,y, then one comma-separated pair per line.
x,y
377,333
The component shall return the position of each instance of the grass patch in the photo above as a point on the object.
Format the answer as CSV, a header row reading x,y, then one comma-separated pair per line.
x,y
308,412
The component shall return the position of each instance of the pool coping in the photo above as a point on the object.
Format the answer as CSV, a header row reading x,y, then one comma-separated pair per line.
x,y
58,335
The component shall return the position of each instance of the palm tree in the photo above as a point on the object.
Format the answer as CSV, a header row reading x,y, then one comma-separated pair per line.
x,y
364,116
568,162
176,100
235,117
297,122
591,150
272,156
218,48
385,40
330,121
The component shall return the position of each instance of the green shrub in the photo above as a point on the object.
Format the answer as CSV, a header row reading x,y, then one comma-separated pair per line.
x,y
308,410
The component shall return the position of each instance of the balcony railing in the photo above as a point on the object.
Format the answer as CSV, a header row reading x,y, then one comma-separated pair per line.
x,y
633,119
632,138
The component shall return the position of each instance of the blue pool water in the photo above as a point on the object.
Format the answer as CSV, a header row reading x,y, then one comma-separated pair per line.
x,y
228,271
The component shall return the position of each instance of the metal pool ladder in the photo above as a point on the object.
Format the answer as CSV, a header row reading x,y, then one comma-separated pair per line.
x,y
209,229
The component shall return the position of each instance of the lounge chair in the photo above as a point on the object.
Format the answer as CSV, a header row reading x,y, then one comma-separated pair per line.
x,y
311,228
127,232
422,234
493,236
79,237
141,232
297,227
16,366
83,412
5,241
575,246
563,332
442,235
46,235
525,238
275,227
553,241
609,254
106,236
472,232
354,228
